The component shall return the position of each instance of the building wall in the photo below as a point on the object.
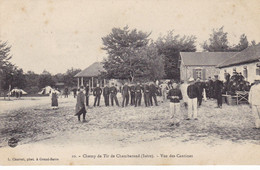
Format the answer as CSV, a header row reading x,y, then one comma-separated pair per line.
x,y
251,71
207,71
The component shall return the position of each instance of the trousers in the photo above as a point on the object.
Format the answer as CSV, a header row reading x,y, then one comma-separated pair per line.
x,y
125,100
113,97
175,111
97,100
256,113
192,108
106,99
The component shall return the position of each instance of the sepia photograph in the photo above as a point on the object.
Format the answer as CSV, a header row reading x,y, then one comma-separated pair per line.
x,y
129,82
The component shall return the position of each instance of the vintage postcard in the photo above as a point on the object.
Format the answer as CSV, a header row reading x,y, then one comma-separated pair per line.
x,y
129,82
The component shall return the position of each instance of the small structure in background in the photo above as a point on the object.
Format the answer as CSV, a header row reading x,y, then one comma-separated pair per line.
x,y
201,64
46,90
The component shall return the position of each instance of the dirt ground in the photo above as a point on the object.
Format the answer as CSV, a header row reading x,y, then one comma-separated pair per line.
x,y
36,122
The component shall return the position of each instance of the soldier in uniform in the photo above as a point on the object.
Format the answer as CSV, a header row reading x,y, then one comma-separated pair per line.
x,y
132,93
153,91
146,91
113,93
125,95
218,86
211,88
138,94
97,93
200,87
106,93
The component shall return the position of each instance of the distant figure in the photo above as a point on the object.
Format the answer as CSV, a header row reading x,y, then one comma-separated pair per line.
x,y
54,98
199,84
87,94
132,93
80,105
146,90
66,92
125,95
218,85
113,93
138,94
211,88
106,93
254,101
164,87
97,93
193,93
153,91
74,92
175,96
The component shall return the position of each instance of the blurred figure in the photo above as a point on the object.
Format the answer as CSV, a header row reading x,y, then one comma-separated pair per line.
x,y
218,86
54,98
164,87
175,96
132,93
87,94
183,89
106,93
152,94
66,92
146,91
97,93
138,95
253,99
113,93
80,105
198,83
125,95
193,93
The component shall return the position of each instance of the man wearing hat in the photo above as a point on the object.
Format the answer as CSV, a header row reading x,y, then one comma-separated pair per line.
x,y
106,95
97,93
193,93
152,95
132,93
254,101
125,95
146,90
138,94
218,85
113,93
80,105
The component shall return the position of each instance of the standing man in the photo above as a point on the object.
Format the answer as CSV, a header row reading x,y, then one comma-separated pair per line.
x,y
125,95
146,91
66,92
218,85
183,89
200,87
132,92
164,87
80,105
113,93
193,93
175,96
153,91
211,88
138,94
87,94
106,93
97,93
254,101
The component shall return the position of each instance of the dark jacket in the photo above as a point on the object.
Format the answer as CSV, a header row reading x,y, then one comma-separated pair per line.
x,y
174,95
80,101
97,91
113,90
138,89
87,90
125,90
153,89
132,89
192,91
218,85
106,91
146,88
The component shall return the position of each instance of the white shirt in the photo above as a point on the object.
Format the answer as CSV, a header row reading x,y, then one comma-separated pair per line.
x,y
254,95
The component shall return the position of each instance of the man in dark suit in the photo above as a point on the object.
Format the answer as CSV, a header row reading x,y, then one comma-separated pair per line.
x,y
106,93
125,95
97,93
153,91
146,94
138,94
199,84
132,92
113,93
80,106
218,85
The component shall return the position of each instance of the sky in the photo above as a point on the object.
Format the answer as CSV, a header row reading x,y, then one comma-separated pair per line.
x,y
56,35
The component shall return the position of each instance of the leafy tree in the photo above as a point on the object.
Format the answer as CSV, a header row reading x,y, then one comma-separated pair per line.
x,y
170,47
123,46
69,79
243,44
45,79
217,42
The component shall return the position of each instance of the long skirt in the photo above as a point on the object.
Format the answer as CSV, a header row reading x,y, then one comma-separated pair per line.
x,y
54,101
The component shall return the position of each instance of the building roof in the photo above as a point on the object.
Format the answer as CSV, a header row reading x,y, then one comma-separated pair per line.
x,y
93,70
205,58
248,55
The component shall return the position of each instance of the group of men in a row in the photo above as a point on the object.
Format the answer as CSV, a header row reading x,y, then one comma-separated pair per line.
x,y
131,93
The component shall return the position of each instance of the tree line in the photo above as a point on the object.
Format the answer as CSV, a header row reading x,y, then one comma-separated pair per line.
x,y
132,55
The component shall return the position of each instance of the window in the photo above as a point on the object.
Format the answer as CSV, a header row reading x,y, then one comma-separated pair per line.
x,y
258,69
245,74
198,73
